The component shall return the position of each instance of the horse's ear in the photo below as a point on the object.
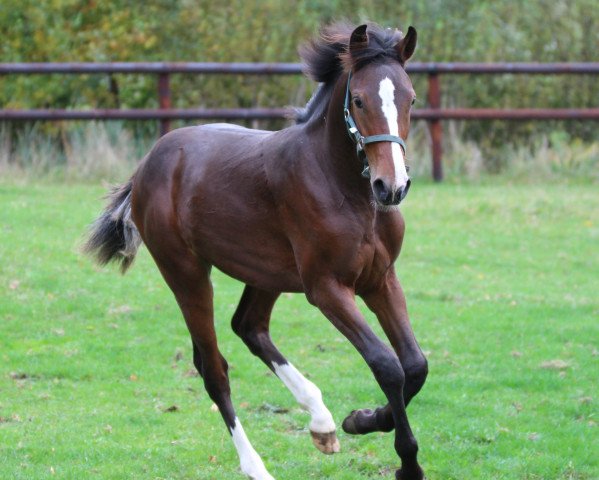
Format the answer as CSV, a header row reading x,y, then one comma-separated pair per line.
x,y
407,45
358,39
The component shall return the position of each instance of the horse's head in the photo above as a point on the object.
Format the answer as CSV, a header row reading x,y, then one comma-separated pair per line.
x,y
378,101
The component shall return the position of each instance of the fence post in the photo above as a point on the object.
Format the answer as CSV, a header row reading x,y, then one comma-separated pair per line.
x,y
164,100
436,129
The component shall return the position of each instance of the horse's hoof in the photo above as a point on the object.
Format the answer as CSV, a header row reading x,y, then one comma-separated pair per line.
x,y
358,422
326,442
412,474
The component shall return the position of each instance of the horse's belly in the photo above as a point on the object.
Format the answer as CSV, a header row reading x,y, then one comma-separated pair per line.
x,y
269,275
252,254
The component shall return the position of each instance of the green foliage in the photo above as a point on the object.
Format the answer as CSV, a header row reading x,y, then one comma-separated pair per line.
x,y
270,30
502,292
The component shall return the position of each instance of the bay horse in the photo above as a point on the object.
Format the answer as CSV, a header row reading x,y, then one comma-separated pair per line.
x,y
312,208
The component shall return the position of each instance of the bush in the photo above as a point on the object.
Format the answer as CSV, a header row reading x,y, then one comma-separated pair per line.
x,y
270,30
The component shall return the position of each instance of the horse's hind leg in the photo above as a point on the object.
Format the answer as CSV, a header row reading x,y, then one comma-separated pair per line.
x,y
190,282
251,322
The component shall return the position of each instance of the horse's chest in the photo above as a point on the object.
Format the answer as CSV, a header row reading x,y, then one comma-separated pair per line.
x,y
372,262
377,253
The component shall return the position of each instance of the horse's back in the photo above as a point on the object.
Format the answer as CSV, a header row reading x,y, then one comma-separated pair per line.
x,y
198,147
232,128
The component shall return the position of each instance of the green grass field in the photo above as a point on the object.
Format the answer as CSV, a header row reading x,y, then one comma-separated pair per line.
x,y
502,284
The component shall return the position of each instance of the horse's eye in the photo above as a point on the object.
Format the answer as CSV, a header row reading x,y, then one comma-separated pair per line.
x,y
358,102
413,101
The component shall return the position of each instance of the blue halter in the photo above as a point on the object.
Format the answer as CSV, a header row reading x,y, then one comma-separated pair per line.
x,y
359,139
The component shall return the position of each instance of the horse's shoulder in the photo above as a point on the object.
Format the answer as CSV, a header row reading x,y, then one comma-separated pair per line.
x,y
287,154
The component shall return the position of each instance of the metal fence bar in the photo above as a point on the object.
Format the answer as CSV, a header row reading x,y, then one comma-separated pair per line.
x,y
430,114
507,114
164,100
504,68
435,128
149,114
153,67
290,68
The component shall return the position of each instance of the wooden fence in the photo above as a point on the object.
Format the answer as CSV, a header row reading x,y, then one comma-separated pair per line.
x,y
433,113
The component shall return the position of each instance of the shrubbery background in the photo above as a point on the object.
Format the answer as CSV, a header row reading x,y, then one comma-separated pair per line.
x,y
270,31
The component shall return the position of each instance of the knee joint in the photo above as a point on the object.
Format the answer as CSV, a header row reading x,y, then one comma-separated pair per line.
x,y
417,370
406,448
387,369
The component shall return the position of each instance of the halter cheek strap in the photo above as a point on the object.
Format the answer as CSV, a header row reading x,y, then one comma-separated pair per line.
x,y
359,139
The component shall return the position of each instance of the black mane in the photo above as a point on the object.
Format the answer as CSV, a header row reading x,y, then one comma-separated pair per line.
x,y
327,56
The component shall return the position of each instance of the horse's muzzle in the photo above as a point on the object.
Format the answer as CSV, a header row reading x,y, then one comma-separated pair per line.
x,y
386,196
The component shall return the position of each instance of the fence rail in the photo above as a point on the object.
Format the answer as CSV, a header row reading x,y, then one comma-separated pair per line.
x,y
434,114
289,68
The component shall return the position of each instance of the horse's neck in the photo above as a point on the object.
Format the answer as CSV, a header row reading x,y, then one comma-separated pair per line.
x,y
336,152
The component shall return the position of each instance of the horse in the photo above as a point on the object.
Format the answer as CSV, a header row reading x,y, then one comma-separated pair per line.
x,y
312,208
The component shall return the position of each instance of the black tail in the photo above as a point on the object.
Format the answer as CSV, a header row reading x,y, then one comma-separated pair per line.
x,y
114,236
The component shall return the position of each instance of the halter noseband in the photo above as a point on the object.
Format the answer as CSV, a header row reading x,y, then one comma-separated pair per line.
x,y
359,139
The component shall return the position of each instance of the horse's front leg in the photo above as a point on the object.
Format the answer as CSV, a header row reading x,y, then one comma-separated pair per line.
x,y
337,302
389,305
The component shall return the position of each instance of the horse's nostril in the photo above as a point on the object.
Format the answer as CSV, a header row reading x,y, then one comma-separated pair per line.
x,y
404,191
383,194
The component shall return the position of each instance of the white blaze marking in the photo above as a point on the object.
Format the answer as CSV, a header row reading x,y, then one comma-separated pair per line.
x,y
386,89
308,396
250,461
